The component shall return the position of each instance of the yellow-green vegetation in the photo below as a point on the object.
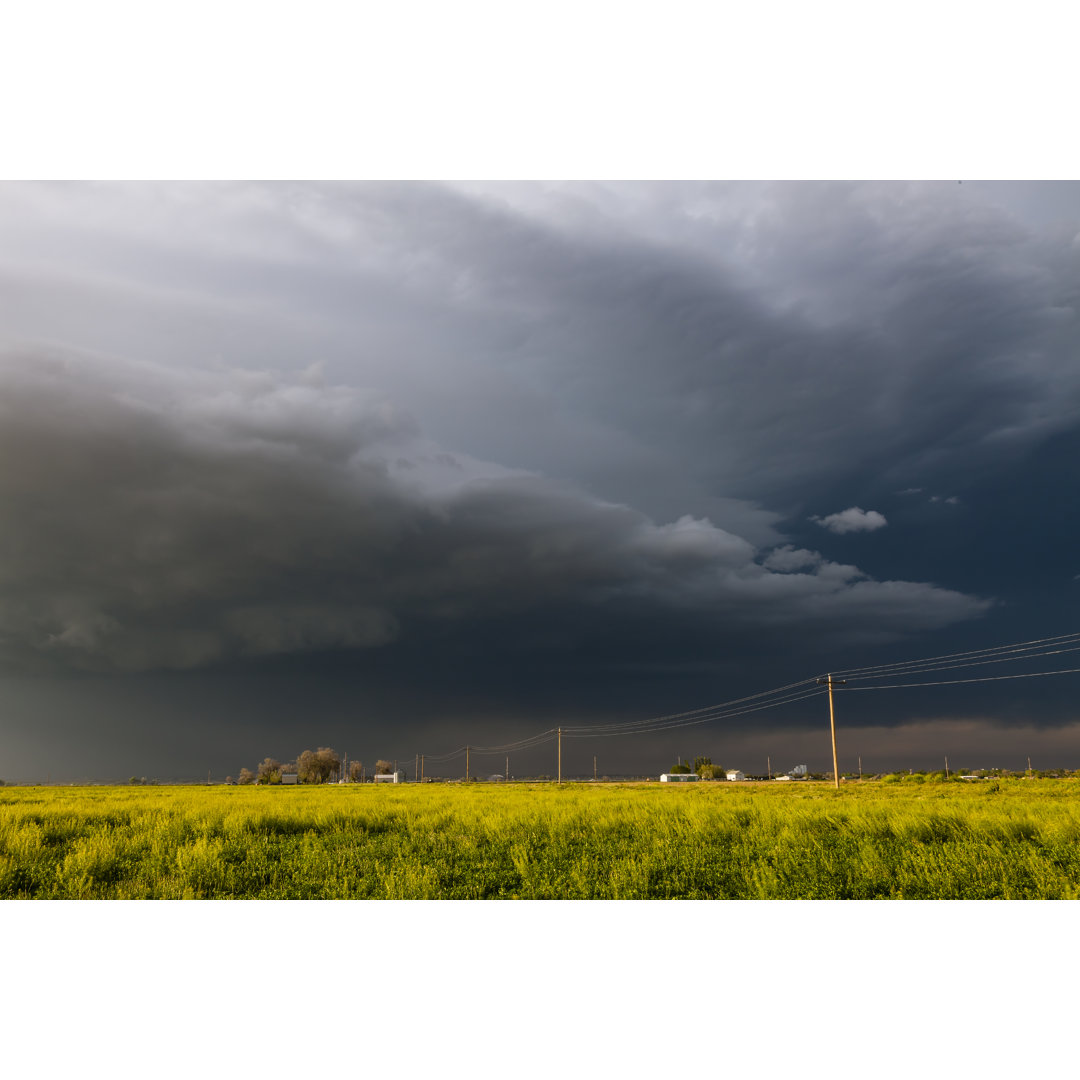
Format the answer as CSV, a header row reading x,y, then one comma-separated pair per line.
x,y
1009,839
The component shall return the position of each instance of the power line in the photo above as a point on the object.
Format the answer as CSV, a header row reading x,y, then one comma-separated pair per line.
x,y
952,682
629,725
920,669
972,655
719,715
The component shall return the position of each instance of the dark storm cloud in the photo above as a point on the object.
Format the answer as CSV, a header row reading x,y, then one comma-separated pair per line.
x,y
606,427
157,520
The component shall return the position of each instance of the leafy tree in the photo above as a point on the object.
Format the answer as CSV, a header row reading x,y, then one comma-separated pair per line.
x,y
329,762
356,770
316,767
246,777
680,768
384,768
229,780
269,771
709,771
700,763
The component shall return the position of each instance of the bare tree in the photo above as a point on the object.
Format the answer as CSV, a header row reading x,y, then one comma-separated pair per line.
x,y
356,770
246,777
384,768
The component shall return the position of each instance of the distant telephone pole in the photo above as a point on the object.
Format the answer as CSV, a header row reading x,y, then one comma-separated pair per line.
x,y
560,755
946,766
421,768
466,763
768,766
507,776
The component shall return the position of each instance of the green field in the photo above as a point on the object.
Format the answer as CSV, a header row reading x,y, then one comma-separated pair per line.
x,y
935,840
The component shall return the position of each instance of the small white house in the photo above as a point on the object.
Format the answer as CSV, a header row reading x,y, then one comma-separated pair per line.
x,y
388,778
678,777
736,774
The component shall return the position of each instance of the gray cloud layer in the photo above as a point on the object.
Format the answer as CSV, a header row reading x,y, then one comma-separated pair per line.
x,y
602,418
684,348
154,519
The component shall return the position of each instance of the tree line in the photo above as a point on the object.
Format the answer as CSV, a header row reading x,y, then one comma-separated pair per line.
x,y
320,766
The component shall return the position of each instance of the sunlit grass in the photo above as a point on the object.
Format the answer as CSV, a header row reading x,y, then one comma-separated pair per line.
x,y
1009,839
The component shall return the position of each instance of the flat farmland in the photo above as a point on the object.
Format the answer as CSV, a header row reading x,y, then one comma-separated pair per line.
x,y
1010,839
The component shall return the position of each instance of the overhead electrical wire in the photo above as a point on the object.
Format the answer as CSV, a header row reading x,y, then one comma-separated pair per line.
x,y
1032,648
953,682
817,691
630,725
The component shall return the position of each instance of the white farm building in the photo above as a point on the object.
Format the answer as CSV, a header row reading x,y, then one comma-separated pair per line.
x,y
736,774
678,777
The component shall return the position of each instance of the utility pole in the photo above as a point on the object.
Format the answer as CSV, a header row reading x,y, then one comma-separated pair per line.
x,y
421,768
416,765
560,755
466,763
946,766
208,771
768,765
832,724
506,776
860,766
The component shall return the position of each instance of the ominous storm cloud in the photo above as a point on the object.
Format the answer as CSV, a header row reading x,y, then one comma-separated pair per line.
x,y
613,447
155,519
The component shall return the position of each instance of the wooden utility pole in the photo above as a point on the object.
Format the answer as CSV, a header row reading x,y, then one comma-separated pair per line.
x,y
560,754
946,766
860,766
768,766
421,768
466,763
832,725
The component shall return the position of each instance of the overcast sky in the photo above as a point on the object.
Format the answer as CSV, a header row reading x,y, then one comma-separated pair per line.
x,y
398,467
